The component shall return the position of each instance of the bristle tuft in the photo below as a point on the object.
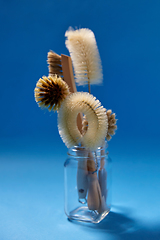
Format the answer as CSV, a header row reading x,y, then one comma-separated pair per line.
x,y
50,92
54,61
85,56
111,124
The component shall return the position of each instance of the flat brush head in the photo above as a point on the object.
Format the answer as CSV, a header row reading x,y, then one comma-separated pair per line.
x,y
82,102
50,92
54,61
83,49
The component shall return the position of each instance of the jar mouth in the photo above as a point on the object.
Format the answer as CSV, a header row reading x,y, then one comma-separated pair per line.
x,y
81,151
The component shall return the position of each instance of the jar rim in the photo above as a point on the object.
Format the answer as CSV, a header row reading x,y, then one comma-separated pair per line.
x,y
81,151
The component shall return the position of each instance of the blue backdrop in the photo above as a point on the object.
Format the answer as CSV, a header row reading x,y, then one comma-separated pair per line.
x,y
128,38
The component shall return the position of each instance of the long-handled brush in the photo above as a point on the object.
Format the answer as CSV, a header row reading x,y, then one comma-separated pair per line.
x,y
62,66
83,49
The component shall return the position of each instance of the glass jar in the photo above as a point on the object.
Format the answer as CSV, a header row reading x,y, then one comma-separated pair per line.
x,y
87,180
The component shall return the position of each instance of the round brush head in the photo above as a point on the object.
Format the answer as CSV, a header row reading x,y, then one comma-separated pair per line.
x,y
95,114
111,124
50,92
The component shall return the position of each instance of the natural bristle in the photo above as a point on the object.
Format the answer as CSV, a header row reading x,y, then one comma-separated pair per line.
x,y
83,49
96,116
54,61
111,124
50,92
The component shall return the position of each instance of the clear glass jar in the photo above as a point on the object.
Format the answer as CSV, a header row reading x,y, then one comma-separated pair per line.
x,y
87,180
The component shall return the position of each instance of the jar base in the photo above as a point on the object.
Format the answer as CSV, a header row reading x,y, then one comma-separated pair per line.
x,y
83,214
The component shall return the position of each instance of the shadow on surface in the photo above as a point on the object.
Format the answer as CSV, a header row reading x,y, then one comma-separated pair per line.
x,y
125,228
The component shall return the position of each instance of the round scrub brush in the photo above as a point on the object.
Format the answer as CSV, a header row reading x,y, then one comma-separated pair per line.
x,y
82,46
50,92
96,116
111,124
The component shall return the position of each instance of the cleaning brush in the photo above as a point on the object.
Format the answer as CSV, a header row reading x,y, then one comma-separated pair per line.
x,y
54,61
111,124
85,56
62,66
97,120
50,92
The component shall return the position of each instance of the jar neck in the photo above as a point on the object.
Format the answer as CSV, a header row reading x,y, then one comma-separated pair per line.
x,y
80,151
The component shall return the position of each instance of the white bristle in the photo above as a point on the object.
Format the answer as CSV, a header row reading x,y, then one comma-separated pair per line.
x,y
96,116
85,56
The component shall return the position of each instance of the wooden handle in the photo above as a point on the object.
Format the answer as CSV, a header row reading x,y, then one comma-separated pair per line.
x,y
102,177
93,200
82,180
69,79
82,173
68,72
96,199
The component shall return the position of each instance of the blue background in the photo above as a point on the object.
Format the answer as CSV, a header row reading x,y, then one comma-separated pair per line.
x,y
31,151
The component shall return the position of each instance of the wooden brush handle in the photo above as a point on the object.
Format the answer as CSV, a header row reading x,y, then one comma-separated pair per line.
x,y
82,180
68,72
82,174
102,175
93,200
96,199
69,79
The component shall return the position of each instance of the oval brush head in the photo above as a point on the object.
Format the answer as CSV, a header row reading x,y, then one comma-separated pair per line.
x,y
50,92
96,116
83,49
